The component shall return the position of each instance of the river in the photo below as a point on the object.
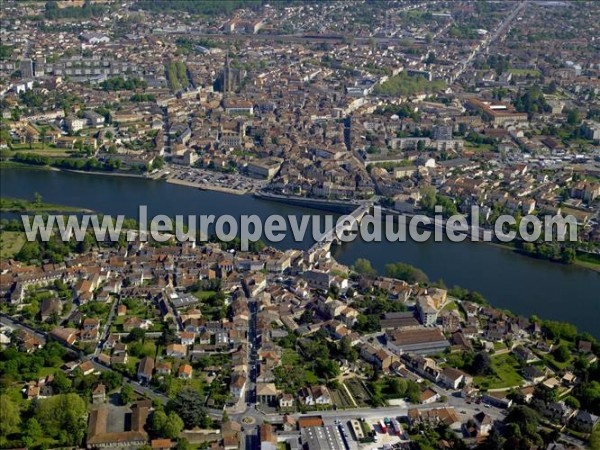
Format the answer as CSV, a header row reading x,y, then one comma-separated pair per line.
x,y
518,283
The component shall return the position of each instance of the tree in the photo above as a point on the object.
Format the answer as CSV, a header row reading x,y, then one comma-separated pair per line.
x,y
572,402
168,426
111,379
428,198
327,368
482,364
168,336
63,417
188,404
346,350
372,43
306,317
61,383
526,418
33,432
562,353
173,426
158,163
595,439
159,419
568,255
127,394
182,444
367,323
573,117
9,416
29,251
363,266
406,272
137,334
494,441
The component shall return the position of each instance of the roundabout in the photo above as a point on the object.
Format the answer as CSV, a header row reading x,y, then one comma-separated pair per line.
x,y
248,420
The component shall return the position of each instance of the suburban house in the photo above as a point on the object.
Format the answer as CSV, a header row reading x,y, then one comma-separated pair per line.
x,y
176,350
584,421
315,395
145,368
453,378
184,372
286,401
483,424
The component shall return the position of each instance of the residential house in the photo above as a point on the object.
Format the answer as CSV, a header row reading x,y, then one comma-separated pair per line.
x,y
286,401
184,372
454,378
99,394
176,350
315,395
428,396
238,384
584,421
145,368
483,424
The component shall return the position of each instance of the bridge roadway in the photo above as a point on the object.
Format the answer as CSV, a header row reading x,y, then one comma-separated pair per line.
x,y
324,243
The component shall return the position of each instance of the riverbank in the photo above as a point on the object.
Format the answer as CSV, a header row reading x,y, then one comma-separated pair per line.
x,y
207,187
20,165
336,206
525,286
591,262
8,204
110,174
339,206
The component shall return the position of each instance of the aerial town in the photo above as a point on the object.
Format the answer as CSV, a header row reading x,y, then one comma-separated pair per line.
x,y
405,104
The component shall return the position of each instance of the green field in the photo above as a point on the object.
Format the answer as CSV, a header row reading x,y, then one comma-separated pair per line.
x,y
203,295
23,205
358,391
10,243
450,306
588,260
40,149
525,72
550,360
341,399
18,165
506,373
479,147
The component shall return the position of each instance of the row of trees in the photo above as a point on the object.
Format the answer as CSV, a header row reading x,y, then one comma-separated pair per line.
x,y
550,251
177,75
91,164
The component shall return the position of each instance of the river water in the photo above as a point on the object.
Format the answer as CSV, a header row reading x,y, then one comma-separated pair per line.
x,y
518,283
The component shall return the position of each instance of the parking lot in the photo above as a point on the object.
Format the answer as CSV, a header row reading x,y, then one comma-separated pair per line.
x,y
205,179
